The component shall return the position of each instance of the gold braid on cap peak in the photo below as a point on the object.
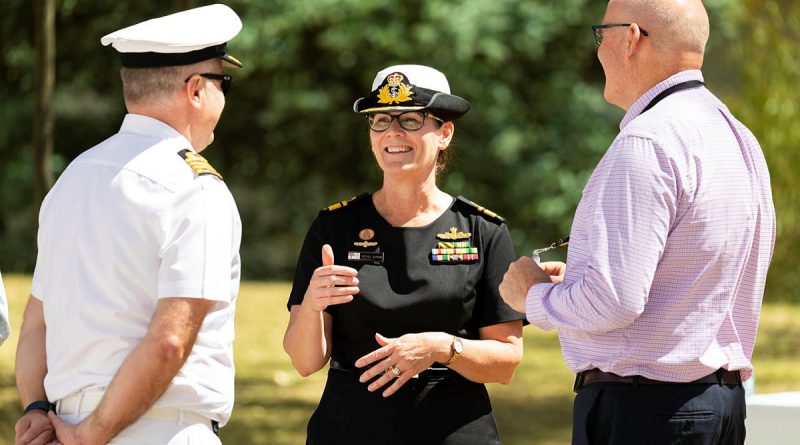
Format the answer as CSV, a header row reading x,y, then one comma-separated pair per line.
x,y
199,164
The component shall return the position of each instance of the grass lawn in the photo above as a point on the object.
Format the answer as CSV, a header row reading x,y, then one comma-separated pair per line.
x,y
273,403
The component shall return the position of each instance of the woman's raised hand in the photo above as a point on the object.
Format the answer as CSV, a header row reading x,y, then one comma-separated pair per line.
x,y
330,284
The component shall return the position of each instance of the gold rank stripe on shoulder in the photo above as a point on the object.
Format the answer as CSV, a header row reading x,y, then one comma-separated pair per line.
x,y
340,204
199,164
483,209
489,212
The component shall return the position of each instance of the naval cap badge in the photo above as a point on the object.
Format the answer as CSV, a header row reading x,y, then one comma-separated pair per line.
x,y
395,91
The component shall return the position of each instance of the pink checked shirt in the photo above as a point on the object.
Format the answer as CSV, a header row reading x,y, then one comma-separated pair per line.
x,y
669,247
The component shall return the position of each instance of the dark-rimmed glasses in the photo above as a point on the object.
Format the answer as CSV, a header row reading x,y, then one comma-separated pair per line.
x,y
225,80
598,30
409,121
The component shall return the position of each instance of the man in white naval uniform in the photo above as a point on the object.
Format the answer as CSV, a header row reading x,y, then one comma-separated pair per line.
x,y
127,336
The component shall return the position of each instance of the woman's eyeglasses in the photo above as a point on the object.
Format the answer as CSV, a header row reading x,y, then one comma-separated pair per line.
x,y
410,120
225,80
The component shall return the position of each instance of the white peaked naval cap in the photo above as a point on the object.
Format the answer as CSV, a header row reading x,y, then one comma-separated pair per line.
x,y
423,76
182,38
404,88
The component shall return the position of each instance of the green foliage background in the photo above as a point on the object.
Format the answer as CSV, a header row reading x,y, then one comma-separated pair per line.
x,y
289,144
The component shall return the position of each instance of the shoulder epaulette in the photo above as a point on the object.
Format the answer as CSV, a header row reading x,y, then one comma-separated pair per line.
x,y
198,164
482,209
342,204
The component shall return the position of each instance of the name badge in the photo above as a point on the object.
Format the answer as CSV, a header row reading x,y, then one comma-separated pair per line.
x,y
365,257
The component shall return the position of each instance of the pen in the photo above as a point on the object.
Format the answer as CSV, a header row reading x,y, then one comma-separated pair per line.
x,y
561,242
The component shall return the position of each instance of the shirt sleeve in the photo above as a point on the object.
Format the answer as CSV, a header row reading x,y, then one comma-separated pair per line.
x,y
490,308
200,252
309,260
622,224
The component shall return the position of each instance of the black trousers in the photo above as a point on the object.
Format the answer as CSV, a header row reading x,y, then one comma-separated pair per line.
x,y
450,410
621,413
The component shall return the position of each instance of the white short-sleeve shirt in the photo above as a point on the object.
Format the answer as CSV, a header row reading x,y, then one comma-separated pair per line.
x,y
127,223
5,329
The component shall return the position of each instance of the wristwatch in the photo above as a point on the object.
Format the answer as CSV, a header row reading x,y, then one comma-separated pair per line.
x,y
43,405
456,348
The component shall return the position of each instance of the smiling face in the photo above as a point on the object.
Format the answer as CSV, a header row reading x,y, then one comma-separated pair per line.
x,y
407,154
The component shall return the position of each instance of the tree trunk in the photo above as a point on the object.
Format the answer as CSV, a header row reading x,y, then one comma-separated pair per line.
x,y
45,44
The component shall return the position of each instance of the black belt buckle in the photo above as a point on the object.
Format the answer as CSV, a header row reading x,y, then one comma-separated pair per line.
x,y
578,382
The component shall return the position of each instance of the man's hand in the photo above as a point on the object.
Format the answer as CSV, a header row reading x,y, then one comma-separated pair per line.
x,y
523,274
69,434
555,269
34,428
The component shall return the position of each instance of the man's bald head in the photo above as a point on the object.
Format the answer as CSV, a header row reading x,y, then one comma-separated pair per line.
x,y
674,25
677,32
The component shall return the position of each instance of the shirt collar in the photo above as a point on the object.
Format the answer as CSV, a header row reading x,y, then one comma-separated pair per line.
x,y
148,126
636,109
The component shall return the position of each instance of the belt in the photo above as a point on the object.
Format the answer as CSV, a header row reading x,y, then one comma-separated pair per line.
x,y
86,402
719,377
432,373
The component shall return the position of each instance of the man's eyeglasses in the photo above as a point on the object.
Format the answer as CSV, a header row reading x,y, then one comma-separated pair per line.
x,y
410,120
598,31
225,80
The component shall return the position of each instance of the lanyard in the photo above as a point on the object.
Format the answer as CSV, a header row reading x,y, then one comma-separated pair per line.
x,y
688,85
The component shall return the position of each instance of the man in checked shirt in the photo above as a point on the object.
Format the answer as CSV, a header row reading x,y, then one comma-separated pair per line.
x,y
658,304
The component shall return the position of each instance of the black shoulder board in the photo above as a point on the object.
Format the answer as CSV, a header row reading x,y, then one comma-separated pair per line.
x,y
482,209
198,164
341,204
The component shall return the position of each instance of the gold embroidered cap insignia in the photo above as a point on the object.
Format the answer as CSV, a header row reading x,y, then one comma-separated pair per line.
x,y
395,91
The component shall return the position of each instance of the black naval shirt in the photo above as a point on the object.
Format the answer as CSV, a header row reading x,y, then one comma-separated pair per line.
x,y
404,288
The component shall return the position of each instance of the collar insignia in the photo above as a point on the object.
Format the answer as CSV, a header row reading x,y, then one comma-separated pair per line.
x,y
453,234
395,91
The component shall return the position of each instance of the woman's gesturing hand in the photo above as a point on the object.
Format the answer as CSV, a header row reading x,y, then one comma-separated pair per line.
x,y
330,284
400,359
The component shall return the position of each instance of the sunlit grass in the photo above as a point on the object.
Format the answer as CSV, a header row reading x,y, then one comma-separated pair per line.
x,y
273,403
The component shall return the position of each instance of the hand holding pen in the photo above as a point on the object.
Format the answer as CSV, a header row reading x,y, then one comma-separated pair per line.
x,y
527,272
560,243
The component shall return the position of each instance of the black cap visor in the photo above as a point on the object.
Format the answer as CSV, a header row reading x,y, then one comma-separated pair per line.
x,y
442,105
156,60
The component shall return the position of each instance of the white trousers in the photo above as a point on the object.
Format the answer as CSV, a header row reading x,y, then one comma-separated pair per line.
x,y
156,427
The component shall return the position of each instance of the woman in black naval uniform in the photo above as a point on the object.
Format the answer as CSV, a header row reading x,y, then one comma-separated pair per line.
x,y
399,289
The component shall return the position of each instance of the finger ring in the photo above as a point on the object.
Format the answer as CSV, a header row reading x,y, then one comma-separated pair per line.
x,y
394,370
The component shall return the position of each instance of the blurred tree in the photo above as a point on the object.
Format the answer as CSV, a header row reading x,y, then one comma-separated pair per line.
x,y
765,50
537,127
289,143
45,44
